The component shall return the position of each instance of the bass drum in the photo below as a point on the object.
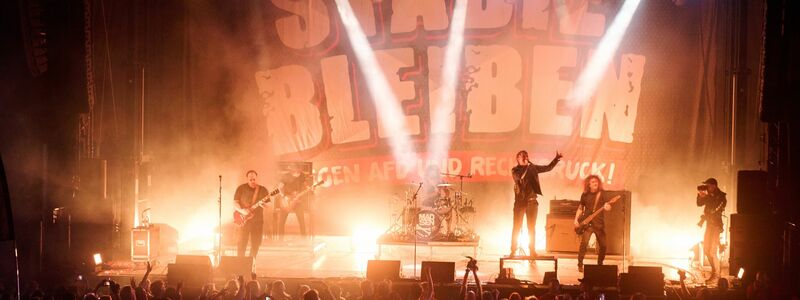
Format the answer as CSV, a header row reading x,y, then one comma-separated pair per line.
x,y
428,224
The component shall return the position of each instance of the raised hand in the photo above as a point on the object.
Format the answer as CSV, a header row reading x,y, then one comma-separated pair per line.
x,y
472,264
558,156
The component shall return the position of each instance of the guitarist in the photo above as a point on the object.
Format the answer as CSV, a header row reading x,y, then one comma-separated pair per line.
x,y
714,200
592,199
292,184
246,196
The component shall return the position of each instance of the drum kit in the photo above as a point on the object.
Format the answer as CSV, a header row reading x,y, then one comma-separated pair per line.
x,y
444,215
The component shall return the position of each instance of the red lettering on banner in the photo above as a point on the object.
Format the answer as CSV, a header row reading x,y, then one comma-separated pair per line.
x,y
482,167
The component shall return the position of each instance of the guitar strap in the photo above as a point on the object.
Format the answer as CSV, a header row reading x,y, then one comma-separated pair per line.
x,y
255,195
596,199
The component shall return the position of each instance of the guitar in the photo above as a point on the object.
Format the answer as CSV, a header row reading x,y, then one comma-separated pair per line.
x,y
584,222
290,202
241,219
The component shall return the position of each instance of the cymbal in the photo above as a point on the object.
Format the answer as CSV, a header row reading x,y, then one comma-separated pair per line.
x,y
467,210
444,185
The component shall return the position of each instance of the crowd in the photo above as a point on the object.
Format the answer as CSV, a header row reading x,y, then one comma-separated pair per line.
x,y
251,288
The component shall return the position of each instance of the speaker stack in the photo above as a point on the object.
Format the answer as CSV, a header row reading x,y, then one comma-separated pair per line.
x,y
754,231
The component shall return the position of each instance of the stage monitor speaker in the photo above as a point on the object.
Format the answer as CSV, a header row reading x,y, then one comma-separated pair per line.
x,y
561,235
642,279
441,271
549,276
600,275
200,260
378,270
752,188
235,265
192,275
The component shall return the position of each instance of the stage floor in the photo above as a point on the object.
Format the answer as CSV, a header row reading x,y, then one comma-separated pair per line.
x,y
342,257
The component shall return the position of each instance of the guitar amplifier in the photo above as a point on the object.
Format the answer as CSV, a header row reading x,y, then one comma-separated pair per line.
x,y
564,207
561,235
145,243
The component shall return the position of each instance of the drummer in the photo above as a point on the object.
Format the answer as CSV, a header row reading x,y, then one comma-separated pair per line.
x,y
432,189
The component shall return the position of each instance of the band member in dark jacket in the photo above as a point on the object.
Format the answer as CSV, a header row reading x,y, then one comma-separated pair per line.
x,y
246,196
592,199
714,200
526,190
293,186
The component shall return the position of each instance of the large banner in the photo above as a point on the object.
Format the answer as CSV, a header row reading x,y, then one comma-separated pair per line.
x,y
520,61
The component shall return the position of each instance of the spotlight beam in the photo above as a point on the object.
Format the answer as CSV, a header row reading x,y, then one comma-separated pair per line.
x,y
439,143
389,111
591,76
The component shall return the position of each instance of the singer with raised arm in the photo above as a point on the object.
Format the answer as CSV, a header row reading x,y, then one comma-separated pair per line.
x,y
249,201
526,190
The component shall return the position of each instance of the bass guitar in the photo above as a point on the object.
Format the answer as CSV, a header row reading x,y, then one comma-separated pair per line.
x,y
291,202
241,219
584,222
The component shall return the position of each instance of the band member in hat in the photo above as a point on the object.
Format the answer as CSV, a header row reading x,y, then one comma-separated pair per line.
x,y
713,200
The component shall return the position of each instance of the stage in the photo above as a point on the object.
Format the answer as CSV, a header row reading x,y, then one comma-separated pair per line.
x,y
343,257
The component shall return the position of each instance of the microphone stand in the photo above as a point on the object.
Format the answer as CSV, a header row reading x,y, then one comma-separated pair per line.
x,y
414,229
219,219
624,246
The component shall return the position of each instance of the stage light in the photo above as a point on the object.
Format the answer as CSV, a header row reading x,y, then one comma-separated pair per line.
x,y
388,108
439,143
740,274
591,76
98,259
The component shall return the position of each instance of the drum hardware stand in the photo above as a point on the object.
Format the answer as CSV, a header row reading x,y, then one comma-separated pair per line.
x,y
460,179
457,204
219,235
414,227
